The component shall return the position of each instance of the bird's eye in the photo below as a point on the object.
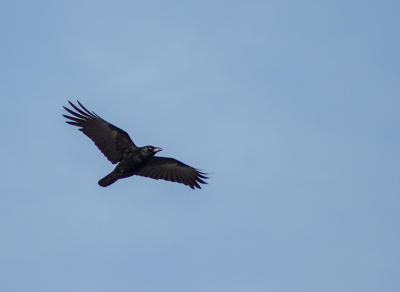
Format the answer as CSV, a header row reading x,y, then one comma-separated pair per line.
x,y
151,148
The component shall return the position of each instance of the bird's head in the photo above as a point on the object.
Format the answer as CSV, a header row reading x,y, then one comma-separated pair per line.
x,y
149,151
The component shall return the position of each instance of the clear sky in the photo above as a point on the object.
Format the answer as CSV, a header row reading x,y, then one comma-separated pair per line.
x,y
291,106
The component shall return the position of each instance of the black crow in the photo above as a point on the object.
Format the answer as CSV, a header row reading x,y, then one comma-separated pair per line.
x,y
118,147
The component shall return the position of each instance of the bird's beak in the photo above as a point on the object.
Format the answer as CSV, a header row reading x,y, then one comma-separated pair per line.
x,y
156,149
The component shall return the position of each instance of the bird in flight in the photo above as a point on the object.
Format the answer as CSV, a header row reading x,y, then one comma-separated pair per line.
x,y
118,147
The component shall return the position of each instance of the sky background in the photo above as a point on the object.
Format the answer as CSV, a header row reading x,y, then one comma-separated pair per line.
x,y
291,106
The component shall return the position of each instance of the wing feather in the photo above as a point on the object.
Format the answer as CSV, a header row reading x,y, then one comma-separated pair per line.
x,y
173,170
174,175
111,140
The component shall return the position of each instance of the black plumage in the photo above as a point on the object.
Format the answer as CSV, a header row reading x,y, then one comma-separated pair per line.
x,y
118,147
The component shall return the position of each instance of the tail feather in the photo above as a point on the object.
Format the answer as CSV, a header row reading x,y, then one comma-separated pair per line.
x,y
108,180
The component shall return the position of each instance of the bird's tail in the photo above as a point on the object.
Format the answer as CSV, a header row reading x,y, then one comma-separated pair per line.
x,y
108,180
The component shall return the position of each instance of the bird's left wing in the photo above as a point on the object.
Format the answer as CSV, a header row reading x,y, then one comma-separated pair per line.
x,y
111,140
172,170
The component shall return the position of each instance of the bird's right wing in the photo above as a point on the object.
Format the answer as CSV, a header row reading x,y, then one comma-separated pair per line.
x,y
112,141
173,170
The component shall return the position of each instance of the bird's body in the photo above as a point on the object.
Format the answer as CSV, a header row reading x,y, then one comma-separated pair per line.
x,y
128,166
117,146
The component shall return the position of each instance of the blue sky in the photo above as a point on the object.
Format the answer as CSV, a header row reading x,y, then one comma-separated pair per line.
x,y
293,107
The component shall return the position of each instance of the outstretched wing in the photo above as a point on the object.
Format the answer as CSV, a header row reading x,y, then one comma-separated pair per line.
x,y
112,141
172,170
